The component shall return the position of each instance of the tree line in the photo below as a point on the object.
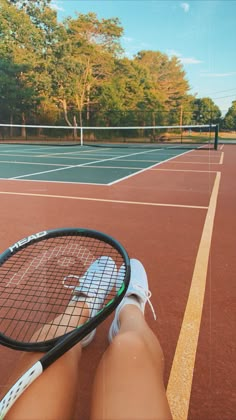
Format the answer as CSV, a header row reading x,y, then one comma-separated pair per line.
x,y
75,72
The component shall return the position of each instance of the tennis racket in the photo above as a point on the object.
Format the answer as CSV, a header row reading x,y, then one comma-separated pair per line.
x,y
47,275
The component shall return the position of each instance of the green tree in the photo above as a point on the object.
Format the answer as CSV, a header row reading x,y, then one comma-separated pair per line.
x,y
74,71
168,86
121,97
229,121
18,55
19,37
31,35
13,93
205,111
93,45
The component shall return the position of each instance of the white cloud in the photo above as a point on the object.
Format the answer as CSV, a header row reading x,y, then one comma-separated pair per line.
x,y
56,6
173,52
132,46
206,74
184,60
127,39
189,60
185,7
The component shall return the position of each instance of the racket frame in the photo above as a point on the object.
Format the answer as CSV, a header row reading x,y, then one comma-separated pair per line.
x,y
82,330
60,346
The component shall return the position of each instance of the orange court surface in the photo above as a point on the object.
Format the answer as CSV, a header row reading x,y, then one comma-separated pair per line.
x,y
177,216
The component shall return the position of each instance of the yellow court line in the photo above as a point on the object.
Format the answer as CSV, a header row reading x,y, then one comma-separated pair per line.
x,y
222,158
181,375
104,200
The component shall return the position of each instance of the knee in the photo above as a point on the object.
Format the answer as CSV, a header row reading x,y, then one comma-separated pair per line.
x,y
130,344
132,347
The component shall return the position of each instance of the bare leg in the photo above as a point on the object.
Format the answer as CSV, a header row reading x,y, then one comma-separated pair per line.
x,y
53,394
129,380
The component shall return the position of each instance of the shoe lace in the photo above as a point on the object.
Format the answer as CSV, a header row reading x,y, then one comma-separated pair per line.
x,y
148,295
68,286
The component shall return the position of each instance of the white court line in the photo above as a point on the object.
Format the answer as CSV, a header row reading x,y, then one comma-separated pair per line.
x,y
18,154
116,167
43,156
216,154
76,166
107,149
36,148
139,203
78,157
184,170
70,153
145,169
26,149
56,182
198,163
32,163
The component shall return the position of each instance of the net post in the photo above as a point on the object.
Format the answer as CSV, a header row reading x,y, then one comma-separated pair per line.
x,y
81,137
216,136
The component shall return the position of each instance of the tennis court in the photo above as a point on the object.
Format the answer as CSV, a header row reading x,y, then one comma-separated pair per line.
x,y
76,164
174,209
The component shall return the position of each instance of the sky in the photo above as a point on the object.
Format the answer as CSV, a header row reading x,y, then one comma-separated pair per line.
x,y
202,33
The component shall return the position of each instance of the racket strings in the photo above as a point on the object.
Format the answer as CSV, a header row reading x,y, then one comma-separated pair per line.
x,y
34,299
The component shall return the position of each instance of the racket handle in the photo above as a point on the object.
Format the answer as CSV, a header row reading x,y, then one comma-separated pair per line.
x,y
19,387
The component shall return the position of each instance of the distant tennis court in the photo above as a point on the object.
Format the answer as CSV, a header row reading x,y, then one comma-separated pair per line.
x,y
105,165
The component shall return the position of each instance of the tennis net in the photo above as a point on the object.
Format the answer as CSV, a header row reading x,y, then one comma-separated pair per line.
x,y
191,136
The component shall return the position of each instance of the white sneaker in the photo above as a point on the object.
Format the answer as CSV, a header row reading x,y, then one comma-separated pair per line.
x,y
94,287
137,294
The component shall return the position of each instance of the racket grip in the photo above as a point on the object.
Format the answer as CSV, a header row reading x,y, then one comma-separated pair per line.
x,y
19,387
